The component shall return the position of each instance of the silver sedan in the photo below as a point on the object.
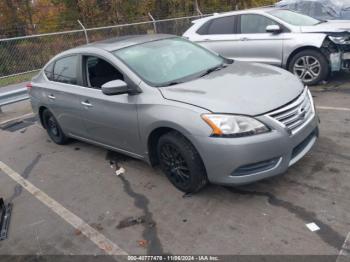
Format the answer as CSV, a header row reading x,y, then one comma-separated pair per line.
x,y
309,48
162,99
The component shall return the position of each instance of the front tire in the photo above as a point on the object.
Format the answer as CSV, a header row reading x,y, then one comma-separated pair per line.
x,y
310,66
53,128
181,163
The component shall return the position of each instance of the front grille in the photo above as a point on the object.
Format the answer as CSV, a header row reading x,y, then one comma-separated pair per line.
x,y
256,167
294,115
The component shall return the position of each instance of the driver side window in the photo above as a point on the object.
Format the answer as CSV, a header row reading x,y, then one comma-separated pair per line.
x,y
98,72
255,24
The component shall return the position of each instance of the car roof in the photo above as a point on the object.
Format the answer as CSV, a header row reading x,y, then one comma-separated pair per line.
x,y
259,10
117,43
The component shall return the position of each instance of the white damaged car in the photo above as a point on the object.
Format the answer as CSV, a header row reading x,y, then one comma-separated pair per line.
x,y
309,48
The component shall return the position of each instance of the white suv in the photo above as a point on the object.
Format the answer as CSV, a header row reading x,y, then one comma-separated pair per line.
x,y
307,47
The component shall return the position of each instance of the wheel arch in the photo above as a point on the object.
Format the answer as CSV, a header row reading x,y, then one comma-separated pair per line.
x,y
301,49
156,133
40,113
152,142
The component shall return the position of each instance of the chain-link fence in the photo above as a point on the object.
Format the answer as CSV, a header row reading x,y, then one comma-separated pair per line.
x,y
22,55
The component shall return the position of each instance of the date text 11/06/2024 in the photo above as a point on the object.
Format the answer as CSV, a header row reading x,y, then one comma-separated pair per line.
x,y
173,258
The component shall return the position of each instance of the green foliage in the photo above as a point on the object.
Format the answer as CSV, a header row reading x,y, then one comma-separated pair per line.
x,y
17,79
19,17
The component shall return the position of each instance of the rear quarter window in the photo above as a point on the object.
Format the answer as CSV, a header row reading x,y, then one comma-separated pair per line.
x,y
65,70
218,26
48,71
203,30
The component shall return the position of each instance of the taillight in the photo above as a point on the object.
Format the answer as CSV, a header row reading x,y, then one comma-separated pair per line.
x,y
29,86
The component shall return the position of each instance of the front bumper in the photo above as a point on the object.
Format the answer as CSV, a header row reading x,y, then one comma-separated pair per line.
x,y
340,61
245,160
345,61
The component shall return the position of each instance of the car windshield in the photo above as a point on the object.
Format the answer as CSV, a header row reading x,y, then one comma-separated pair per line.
x,y
294,18
169,61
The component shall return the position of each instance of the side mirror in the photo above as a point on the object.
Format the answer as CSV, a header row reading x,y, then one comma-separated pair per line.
x,y
115,87
274,29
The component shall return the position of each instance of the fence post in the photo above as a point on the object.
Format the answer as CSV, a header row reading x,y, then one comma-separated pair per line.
x,y
197,8
85,32
154,22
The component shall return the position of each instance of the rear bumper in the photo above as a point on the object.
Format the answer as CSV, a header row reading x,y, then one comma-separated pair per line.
x,y
245,160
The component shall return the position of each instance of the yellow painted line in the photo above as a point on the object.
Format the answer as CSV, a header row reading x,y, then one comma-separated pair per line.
x,y
96,237
333,108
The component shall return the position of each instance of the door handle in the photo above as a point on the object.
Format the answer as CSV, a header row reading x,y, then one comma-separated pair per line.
x,y
244,39
86,103
51,97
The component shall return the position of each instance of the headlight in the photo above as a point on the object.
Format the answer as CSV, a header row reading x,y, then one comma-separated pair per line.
x,y
234,126
340,40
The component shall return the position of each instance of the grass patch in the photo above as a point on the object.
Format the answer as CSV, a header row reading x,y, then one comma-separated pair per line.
x,y
17,79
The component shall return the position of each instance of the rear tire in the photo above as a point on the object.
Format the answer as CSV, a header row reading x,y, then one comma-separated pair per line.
x,y
181,163
310,66
53,128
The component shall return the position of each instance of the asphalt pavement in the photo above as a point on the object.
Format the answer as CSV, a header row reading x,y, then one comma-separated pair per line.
x,y
73,203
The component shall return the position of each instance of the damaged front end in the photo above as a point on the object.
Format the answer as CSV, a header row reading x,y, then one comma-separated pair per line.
x,y
336,47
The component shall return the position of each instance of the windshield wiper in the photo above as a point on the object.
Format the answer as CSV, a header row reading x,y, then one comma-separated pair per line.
x,y
213,69
206,72
322,22
173,83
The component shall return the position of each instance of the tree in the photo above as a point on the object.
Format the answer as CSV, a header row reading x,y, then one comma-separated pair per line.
x,y
20,17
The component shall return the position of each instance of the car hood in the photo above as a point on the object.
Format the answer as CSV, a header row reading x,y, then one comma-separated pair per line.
x,y
240,88
328,27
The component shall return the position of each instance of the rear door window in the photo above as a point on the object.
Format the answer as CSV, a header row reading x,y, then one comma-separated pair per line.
x,y
65,70
255,24
221,26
